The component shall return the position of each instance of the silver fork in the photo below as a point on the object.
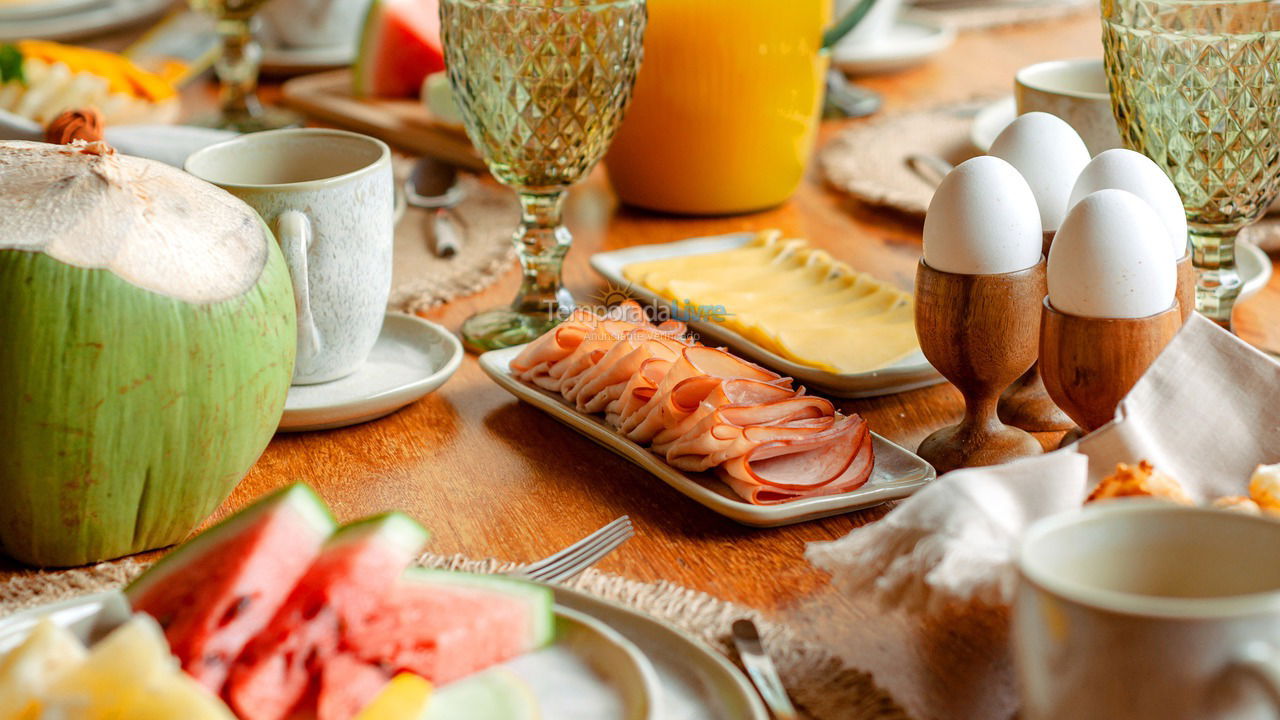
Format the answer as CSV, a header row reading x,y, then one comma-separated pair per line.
x,y
571,561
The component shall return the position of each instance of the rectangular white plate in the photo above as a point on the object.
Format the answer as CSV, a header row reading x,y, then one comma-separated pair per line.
x,y
909,373
897,473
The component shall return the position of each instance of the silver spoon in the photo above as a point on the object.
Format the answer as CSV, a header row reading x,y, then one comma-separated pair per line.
x,y
931,168
433,185
746,637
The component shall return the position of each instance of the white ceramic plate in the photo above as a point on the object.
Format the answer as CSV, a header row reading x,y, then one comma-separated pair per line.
x,y
591,672
990,121
908,43
94,19
697,682
897,473
1254,267
907,374
411,358
38,9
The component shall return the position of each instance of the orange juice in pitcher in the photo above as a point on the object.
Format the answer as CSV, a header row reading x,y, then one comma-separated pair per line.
x,y
726,105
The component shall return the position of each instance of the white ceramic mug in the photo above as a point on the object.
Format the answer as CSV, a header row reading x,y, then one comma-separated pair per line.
x,y
1147,610
1074,90
316,23
328,196
876,27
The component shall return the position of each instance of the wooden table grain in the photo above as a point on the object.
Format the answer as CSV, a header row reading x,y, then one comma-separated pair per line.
x,y
490,476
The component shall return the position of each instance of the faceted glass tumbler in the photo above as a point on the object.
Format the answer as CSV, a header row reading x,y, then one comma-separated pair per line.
x,y
1195,86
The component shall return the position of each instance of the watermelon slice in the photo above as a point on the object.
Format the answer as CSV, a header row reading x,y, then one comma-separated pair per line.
x,y
345,584
214,593
399,47
445,625
348,684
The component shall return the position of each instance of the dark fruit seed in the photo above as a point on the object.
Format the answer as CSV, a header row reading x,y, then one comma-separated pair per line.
x,y
232,612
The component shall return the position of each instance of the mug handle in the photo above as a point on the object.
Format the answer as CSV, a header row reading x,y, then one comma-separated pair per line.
x,y
1259,662
846,23
294,232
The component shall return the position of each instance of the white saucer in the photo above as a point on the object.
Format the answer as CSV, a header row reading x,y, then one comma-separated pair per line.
x,y
278,60
991,121
908,43
411,358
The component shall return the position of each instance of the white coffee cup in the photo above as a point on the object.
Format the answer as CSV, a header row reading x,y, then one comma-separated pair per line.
x,y
1074,90
1139,609
875,29
328,196
315,23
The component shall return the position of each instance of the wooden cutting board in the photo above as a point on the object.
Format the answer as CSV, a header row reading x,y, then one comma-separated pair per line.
x,y
404,123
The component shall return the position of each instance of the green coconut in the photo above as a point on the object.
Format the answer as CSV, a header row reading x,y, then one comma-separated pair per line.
x,y
147,335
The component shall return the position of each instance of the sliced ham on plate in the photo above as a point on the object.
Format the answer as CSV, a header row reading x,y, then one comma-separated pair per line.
x,y
700,408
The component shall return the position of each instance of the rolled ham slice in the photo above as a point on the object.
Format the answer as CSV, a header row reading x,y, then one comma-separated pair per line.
x,y
737,391
728,432
837,460
695,361
638,390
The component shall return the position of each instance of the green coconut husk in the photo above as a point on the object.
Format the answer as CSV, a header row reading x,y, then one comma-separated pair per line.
x,y
127,413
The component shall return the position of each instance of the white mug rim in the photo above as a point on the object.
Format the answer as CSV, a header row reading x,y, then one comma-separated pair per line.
x,y
384,158
1021,78
1170,608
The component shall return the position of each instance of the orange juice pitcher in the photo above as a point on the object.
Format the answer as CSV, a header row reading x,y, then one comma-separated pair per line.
x,y
726,105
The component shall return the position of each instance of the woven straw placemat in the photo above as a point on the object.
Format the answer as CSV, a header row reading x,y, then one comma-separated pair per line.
x,y
820,684
869,161
486,218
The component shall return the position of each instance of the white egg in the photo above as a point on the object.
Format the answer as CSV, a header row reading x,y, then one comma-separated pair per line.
x,y
982,220
1110,259
1050,154
1128,170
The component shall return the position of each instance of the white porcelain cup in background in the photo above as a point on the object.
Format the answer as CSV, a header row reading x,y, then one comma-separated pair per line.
x,y
1146,610
315,23
876,27
328,195
1074,90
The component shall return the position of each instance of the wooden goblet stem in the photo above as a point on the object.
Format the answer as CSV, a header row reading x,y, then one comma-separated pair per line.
x,y
1186,292
980,332
1090,364
1025,404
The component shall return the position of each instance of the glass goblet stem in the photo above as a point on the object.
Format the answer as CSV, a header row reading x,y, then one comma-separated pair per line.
x,y
1213,251
541,242
237,67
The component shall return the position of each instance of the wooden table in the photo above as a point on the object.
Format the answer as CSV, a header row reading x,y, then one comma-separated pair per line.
x,y
493,477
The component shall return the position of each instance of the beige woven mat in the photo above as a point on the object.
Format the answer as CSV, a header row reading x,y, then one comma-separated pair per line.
x,y
486,217
869,161
819,683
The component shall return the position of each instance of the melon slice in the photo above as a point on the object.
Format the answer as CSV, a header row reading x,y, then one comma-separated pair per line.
x,y
347,582
216,592
406,697
445,625
130,674
27,670
495,694
399,47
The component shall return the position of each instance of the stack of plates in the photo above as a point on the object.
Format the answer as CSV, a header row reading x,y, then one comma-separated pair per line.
x,y
608,662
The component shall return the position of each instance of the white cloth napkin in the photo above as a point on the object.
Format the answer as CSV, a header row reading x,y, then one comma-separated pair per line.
x,y
169,144
1206,412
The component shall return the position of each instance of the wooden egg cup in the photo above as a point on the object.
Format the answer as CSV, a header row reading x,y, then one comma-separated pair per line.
x,y
1090,364
981,333
1186,292
1025,404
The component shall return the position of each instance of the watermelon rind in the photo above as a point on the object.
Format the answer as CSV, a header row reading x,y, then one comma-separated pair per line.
x,y
495,694
300,498
540,598
368,33
399,530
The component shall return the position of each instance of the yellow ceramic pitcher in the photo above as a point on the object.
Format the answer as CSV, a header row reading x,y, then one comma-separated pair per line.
x,y
726,105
